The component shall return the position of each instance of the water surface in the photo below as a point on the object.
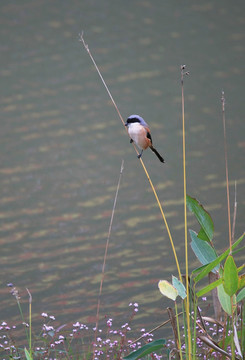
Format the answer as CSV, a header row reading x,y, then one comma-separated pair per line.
x,y
62,144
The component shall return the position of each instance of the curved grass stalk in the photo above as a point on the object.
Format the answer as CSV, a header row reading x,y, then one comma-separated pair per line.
x,y
164,219
142,163
153,189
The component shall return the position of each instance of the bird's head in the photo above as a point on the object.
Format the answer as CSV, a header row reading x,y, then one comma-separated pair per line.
x,y
132,119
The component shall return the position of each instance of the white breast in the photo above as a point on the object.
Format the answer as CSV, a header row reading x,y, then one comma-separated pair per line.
x,y
138,134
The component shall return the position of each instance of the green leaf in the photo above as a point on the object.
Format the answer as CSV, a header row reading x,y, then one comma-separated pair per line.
x,y
199,269
241,295
202,235
202,216
27,354
209,287
217,261
225,300
203,250
167,289
240,267
230,276
146,349
179,286
238,250
211,266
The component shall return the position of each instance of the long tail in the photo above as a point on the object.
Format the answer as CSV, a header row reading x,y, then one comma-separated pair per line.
x,y
157,154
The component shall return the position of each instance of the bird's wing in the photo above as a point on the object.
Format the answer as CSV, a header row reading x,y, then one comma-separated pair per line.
x,y
148,134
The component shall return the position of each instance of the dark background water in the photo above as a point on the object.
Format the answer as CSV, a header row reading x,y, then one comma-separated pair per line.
x,y
62,143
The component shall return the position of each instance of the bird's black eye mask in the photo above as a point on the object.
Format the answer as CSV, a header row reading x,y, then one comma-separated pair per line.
x,y
133,120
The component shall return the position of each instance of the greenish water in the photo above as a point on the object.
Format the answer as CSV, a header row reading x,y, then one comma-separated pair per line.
x,y
62,143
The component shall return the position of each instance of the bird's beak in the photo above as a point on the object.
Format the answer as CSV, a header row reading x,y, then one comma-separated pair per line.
x,y
125,124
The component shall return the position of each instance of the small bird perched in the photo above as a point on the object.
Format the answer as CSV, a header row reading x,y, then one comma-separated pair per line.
x,y
139,132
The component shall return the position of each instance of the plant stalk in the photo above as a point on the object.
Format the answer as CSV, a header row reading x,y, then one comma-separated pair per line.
x,y
226,171
187,301
142,163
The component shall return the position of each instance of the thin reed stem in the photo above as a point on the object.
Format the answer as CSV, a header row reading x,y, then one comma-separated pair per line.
x,y
183,72
22,317
234,217
173,320
226,170
101,77
178,329
185,325
30,322
105,255
194,326
142,163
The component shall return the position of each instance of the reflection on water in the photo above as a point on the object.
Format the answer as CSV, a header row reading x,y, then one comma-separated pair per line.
x,y
62,146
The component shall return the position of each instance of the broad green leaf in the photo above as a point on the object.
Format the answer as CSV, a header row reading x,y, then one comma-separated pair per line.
x,y
211,266
225,300
179,286
241,295
209,287
230,276
146,349
203,250
167,289
217,261
202,216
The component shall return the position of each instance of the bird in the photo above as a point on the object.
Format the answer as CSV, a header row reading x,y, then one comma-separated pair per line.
x,y
139,133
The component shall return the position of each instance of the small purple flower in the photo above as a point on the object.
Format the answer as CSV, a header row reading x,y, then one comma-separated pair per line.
x,y
77,324
48,328
123,326
109,322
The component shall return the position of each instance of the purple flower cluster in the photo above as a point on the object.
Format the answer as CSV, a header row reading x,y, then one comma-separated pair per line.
x,y
78,339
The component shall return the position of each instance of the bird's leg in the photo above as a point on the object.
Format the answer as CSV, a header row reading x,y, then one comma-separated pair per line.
x,y
139,156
